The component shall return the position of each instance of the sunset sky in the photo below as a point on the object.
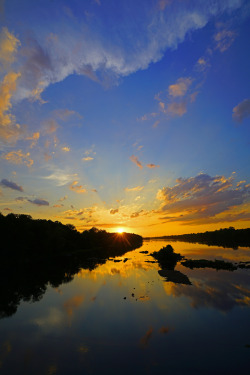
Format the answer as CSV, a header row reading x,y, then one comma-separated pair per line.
x,y
131,114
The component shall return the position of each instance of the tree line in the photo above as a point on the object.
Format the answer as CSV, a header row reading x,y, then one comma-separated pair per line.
x,y
225,237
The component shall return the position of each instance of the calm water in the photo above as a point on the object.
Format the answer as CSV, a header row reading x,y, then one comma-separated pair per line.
x,y
124,318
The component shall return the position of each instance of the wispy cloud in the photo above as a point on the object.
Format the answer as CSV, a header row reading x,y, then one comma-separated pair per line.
x,y
60,176
77,188
152,166
65,149
158,30
18,157
180,87
224,39
134,159
63,198
87,158
10,184
58,205
241,111
137,188
8,47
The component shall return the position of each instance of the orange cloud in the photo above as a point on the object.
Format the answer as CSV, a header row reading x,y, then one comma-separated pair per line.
x,y
152,166
77,188
137,188
18,157
8,47
9,130
180,87
134,159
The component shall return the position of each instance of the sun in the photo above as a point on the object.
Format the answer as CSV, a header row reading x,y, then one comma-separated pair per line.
x,y
120,230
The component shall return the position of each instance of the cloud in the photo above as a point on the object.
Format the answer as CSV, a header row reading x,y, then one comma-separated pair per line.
x,y
50,126
201,197
8,47
58,205
224,39
241,111
179,96
60,177
65,149
180,87
39,202
77,188
64,114
152,166
72,304
145,339
74,51
136,161
87,158
63,198
11,185
34,138
10,131
137,188
18,157
114,211
136,214
177,109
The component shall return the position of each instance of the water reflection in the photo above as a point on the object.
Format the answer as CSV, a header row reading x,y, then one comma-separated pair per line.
x,y
128,316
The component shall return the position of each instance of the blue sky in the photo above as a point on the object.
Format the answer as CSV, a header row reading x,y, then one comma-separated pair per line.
x,y
126,114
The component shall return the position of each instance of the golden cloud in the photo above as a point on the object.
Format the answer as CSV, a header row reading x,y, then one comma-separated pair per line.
x,y
77,188
9,130
137,188
18,157
8,47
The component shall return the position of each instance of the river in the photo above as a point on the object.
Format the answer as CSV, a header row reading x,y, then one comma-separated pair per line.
x,y
123,317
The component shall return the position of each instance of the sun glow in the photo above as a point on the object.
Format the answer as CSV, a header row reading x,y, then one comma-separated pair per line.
x,y
120,230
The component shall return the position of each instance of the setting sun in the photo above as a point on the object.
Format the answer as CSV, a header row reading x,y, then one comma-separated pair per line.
x,y
120,230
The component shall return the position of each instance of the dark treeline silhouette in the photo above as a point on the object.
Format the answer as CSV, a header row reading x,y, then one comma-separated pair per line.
x,y
21,235
167,260
37,253
226,237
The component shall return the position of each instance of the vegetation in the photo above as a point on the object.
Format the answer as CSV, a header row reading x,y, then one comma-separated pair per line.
x,y
166,257
227,237
38,253
27,238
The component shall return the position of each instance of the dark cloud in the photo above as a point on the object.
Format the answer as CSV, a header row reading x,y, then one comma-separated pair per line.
x,y
242,110
11,185
39,202
201,197
112,212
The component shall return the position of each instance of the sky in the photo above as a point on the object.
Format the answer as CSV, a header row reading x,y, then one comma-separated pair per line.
x,y
126,115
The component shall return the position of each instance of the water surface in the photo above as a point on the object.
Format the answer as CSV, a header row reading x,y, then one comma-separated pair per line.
x,y
123,317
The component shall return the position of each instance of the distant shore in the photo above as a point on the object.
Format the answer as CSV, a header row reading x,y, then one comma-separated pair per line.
x,y
226,237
